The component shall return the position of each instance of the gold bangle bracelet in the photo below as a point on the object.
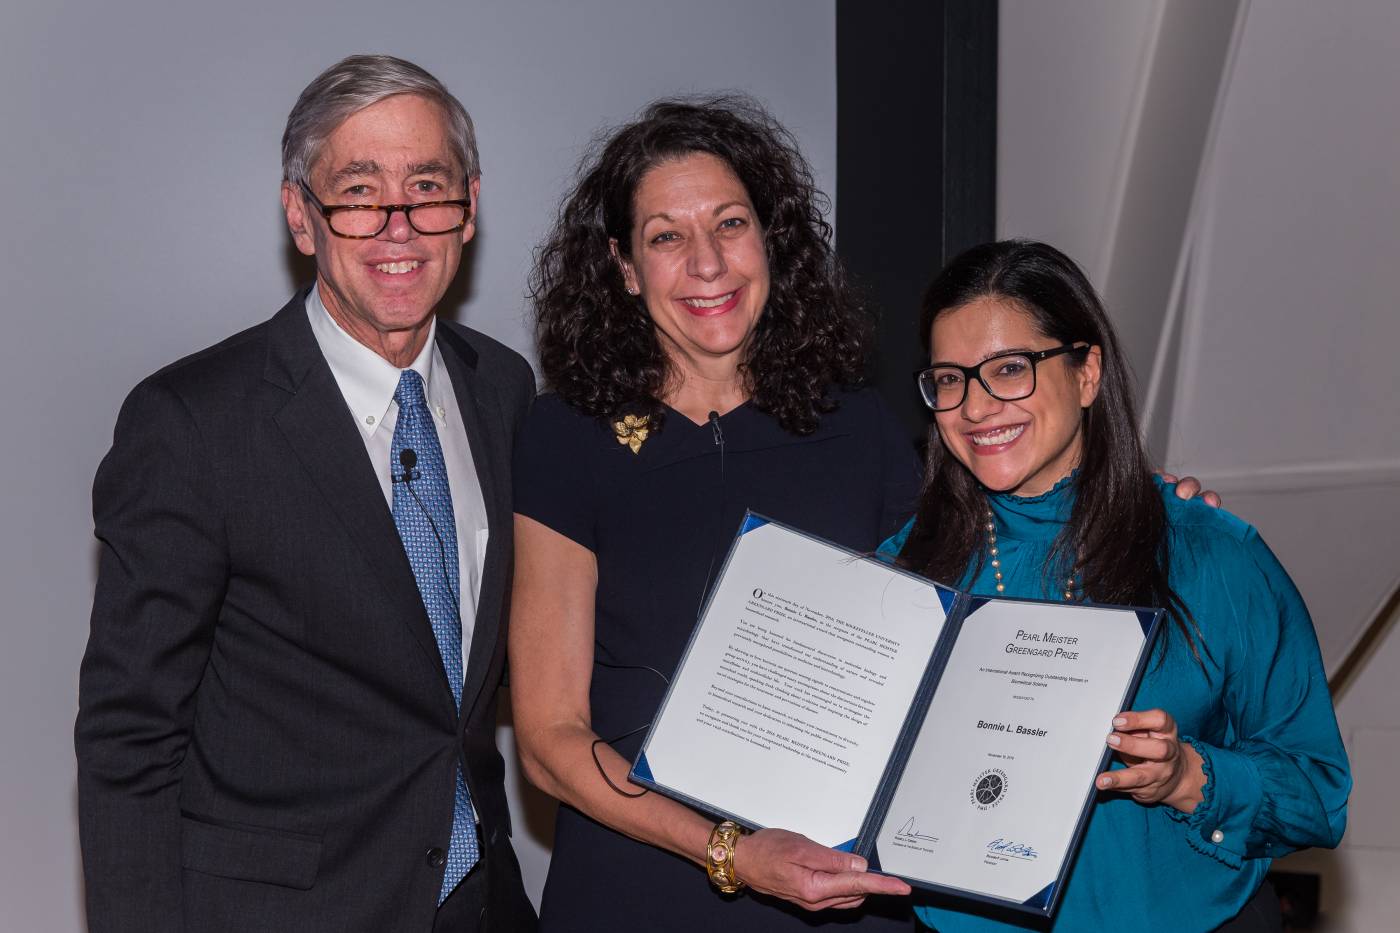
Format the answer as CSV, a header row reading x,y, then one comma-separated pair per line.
x,y
719,857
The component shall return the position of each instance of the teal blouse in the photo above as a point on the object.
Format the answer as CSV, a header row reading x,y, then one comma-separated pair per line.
x,y
1259,713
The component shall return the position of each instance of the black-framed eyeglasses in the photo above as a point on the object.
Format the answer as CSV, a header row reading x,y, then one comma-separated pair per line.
x,y
1007,376
367,221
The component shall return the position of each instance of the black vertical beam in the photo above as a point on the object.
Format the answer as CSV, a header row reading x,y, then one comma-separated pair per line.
x,y
915,161
969,124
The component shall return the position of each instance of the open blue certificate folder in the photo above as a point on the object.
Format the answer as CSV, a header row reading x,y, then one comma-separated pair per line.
x,y
948,739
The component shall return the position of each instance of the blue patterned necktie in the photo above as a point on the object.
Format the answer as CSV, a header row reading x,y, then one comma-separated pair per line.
x,y
429,534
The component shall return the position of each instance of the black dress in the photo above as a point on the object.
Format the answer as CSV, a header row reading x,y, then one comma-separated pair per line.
x,y
660,522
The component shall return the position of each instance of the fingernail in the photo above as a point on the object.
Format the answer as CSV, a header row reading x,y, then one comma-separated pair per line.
x,y
1114,740
1120,721
1105,782
857,863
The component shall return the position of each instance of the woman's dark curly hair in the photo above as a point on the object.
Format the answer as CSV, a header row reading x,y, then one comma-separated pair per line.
x,y
597,344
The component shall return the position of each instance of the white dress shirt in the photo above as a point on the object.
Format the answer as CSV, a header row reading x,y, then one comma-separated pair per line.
x,y
367,381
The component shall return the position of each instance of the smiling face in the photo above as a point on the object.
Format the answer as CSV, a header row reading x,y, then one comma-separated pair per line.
x,y
383,290
1026,446
699,264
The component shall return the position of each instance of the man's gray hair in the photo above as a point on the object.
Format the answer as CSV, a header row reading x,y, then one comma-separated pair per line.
x,y
350,86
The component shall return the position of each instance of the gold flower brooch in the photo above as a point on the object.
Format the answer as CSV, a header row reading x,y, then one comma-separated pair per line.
x,y
632,430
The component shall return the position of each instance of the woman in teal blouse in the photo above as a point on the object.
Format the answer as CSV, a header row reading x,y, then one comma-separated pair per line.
x,y
1038,487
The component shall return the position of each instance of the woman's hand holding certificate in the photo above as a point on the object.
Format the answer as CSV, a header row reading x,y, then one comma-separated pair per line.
x,y
1160,767
794,867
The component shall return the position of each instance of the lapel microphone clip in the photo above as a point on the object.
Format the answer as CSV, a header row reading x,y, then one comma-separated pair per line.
x,y
408,459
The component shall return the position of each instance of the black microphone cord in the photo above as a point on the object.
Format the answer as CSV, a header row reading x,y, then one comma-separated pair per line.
x,y
718,434
598,762
408,459
719,442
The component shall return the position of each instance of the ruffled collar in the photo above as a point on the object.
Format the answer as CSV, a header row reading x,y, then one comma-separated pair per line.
x,y
1034,518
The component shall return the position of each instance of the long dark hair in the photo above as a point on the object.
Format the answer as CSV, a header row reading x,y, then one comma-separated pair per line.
x,y
1116,535
597,344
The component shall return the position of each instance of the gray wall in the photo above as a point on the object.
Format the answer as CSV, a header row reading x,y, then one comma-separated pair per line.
x,y
1226,171
140,154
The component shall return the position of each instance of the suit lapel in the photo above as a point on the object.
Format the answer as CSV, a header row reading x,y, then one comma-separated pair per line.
x,y
323,435
481,417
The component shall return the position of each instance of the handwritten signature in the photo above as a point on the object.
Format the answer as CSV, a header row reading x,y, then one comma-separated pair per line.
x,y
910,831
1007,847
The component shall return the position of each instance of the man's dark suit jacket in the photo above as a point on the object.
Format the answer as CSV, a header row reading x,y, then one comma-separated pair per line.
x,y
266,738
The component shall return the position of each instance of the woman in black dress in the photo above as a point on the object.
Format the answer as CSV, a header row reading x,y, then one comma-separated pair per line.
x,y
702,350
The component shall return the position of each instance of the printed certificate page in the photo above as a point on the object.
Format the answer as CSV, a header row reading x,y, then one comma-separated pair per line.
x,y
1006,757
790,699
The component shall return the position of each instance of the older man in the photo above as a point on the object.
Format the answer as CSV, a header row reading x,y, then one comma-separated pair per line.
x,y
288,700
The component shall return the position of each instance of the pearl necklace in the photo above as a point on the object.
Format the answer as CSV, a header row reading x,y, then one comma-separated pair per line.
x,y
996,558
